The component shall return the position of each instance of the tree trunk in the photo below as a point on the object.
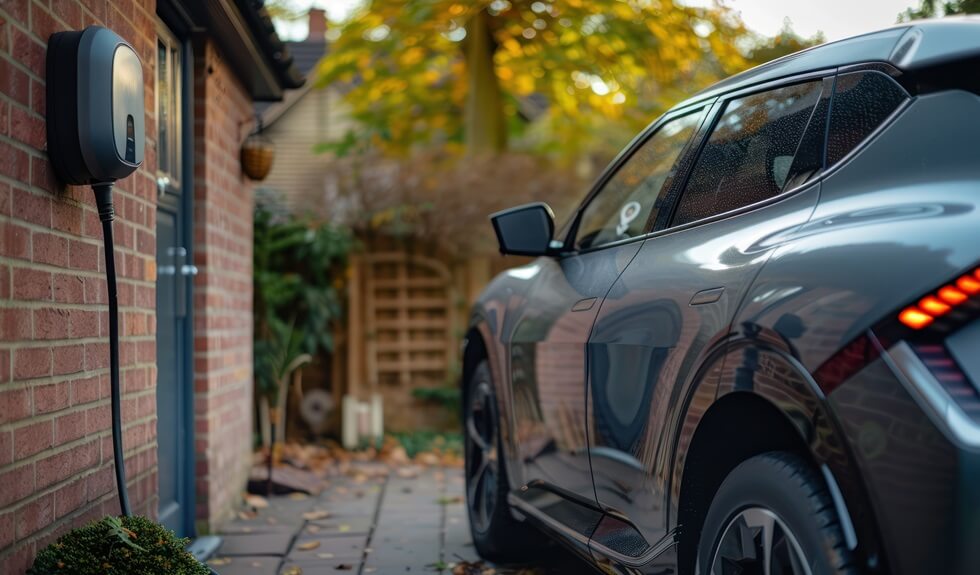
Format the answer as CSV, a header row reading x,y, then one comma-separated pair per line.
x,y
485,127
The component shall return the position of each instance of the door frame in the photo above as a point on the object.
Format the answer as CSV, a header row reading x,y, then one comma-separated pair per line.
x,y
182,202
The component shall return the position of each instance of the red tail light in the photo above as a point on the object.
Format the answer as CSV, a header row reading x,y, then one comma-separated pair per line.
x,y
942,302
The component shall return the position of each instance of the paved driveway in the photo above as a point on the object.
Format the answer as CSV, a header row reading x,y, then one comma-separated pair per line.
x,y
368,521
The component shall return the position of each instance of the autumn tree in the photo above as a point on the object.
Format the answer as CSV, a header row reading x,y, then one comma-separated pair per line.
x,y
470,74
934,8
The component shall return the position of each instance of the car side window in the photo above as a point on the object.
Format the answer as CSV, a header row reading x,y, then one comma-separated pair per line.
x,y
633,196
750,152
862,101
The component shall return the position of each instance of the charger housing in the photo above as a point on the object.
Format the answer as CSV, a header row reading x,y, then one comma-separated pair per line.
x,y
95,106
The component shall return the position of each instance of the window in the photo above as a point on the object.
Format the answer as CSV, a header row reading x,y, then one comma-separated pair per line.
x,y
862,101
168,87
632,197
750,152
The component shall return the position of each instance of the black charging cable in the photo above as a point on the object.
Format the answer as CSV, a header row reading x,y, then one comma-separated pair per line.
x,y
103,200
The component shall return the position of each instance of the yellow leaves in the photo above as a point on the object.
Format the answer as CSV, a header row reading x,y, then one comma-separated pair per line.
x,y
412,56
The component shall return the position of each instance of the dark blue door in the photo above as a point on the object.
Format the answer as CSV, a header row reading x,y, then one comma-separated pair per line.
x,y
175,271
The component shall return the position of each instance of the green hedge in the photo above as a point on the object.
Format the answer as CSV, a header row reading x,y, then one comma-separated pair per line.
x,y
111,546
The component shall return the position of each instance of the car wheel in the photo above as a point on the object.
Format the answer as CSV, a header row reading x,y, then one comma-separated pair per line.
x,y
497,535
773,514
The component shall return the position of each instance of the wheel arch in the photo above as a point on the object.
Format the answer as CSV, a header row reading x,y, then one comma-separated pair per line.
x,y
759,399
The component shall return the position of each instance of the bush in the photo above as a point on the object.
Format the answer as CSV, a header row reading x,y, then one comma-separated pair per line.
x,y
113,546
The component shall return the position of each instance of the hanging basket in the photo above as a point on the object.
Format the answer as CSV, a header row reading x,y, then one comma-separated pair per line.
x,y
258,152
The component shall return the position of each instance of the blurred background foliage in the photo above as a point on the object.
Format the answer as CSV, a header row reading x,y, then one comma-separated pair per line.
x,y
464,108
298,282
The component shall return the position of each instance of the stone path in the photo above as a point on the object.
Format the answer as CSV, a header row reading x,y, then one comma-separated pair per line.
x,y
413,521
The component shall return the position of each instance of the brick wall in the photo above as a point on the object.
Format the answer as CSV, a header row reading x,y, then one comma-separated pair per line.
x,y
55,447
55,441
223,287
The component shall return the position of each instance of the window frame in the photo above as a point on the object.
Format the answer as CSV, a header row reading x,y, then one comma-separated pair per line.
x,y
170,180
570,231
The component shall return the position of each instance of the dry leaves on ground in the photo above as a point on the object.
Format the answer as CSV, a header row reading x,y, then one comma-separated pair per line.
x,y
308,546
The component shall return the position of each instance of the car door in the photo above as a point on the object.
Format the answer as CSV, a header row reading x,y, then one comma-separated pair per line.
x,y
675,300
548,344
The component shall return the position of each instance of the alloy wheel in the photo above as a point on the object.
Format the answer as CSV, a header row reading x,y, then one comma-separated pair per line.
x,y
481,460
757,542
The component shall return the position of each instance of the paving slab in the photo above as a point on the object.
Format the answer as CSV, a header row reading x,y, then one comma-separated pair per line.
x,y
246,565
276,544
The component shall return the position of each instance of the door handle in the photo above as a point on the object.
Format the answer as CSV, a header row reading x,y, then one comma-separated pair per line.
x,y
584,304
707,296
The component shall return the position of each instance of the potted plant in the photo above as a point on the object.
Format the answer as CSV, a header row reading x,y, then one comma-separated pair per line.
x,y
118,546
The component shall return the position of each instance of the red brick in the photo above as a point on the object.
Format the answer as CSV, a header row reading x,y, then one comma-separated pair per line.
x,y
33,208
6,529
51,397
18,483
67,217
32,438
69,427
84,323
85,390
96,356
98,419
31,284
51,323
15,324
54,468
70,497
50,249
4,282
34,516
27,127
6,448
69,288
42,23
32,362
96,290
4,368
15,241
69,359
84,256
43,176
15,405
15,83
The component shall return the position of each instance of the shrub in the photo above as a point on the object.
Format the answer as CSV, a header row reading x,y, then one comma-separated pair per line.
x,y
113,546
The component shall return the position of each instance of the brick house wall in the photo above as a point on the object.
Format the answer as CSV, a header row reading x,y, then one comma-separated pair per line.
x,y
56,469
223,288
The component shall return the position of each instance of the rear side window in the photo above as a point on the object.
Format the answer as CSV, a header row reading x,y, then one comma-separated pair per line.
x,y
750,152
862,101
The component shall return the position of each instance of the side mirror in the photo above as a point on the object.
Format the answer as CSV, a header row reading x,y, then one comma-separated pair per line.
x,y
525,230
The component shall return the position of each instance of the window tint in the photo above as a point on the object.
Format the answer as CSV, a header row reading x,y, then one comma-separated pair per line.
x,y
633,195
750,153
862,101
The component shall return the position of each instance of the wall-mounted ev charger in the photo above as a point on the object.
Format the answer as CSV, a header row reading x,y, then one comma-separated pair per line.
x,y
95,112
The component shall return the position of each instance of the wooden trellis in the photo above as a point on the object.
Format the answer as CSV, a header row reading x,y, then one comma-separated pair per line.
x,y
401,328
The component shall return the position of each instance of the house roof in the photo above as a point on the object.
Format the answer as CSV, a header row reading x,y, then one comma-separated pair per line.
x,y
306,55
247,38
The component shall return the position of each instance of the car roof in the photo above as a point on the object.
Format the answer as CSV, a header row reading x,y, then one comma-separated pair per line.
x,y
908,47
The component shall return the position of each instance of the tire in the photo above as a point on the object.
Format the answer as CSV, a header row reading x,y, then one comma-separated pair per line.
x,y
780,492
497,535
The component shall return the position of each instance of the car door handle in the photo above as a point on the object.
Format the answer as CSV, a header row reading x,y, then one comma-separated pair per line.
x,y
584,304
707,296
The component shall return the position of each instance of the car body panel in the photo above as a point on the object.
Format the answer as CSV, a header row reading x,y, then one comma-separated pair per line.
x,y
649,339
548,366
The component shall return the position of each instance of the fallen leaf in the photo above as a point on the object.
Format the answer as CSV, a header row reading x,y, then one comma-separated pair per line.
x,y
308,546
343,528
219,561
325,555
256,501
294,570
297,496
316,515
344,567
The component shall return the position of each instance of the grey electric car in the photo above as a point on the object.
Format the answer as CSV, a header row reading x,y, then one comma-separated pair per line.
x,y
755,347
